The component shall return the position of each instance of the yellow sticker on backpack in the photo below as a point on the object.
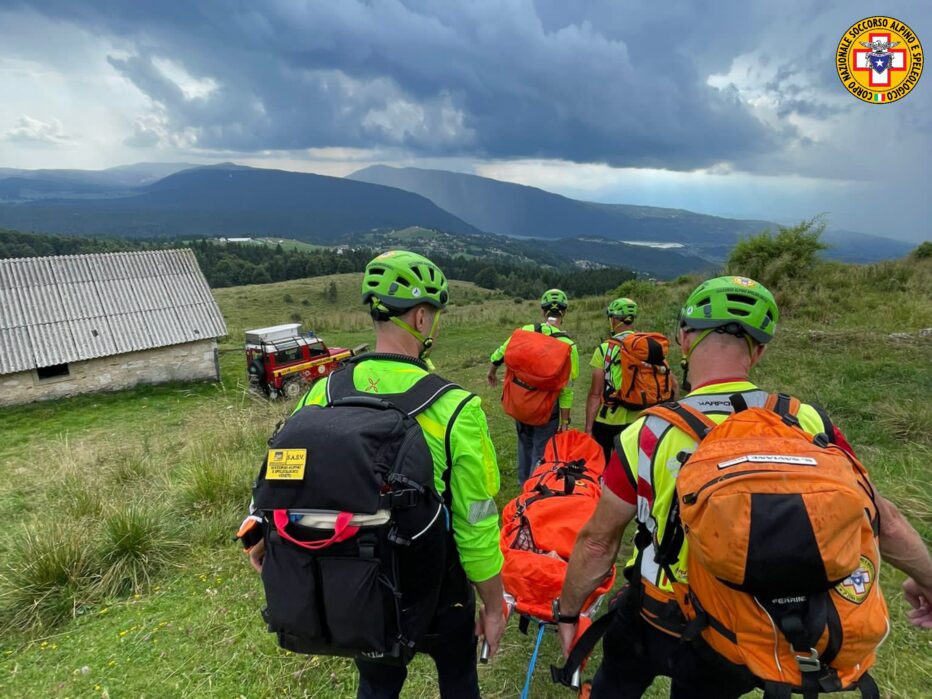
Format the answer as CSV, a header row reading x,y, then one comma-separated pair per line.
x,y
286,464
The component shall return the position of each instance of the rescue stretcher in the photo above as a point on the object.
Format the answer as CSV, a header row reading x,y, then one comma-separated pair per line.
x,y
539,529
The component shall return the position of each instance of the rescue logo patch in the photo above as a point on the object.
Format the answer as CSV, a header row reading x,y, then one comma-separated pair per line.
x,y
744,281
286,464
879,60
857,586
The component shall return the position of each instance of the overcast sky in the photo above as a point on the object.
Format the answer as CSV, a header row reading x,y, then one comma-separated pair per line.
x,y
727,107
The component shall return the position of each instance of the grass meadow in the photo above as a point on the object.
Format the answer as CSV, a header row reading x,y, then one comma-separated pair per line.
x,y
118,573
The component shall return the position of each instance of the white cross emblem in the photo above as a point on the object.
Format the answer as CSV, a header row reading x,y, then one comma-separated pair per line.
x,y
897,62
858,581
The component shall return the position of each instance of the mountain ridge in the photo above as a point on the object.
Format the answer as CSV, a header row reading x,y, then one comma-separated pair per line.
x,y
519,210
229,199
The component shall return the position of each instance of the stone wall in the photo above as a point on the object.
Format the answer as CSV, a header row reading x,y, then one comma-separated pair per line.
x,y
194,361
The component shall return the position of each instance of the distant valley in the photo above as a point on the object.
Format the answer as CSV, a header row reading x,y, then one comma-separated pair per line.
x,y
177,200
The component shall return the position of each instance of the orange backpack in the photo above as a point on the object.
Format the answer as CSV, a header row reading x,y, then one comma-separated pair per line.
x,y
637,375
783,560
539,527
537,367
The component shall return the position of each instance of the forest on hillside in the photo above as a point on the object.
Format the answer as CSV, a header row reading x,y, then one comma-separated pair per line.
x,y
238,264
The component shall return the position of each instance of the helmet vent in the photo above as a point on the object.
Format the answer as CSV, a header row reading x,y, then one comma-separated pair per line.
x,y
741,298
403,282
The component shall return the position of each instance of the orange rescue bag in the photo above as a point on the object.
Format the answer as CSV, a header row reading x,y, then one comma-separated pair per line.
x,y
537,367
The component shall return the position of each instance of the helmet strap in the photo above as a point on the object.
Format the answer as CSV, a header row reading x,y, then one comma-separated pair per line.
x,y
427,343
703,334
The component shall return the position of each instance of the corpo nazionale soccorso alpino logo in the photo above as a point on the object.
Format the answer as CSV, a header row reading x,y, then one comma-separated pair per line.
x,y
879,59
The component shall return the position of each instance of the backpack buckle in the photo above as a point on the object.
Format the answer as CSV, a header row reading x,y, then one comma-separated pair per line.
x,y
811,663
397,478
397,539
790,420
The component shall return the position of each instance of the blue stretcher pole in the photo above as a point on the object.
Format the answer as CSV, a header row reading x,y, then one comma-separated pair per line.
x,y
525,693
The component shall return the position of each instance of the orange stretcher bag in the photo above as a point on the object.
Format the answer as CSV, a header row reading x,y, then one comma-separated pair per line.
x,y
781,532
537,367
539,527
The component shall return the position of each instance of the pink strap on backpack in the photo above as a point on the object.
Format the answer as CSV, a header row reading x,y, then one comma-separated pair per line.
x,y
342,530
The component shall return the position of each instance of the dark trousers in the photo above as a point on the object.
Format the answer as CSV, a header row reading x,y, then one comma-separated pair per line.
x,y
532,440
605,435
452,645
635,653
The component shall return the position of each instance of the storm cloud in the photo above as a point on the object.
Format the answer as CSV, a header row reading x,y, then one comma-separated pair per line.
x,y
726,107
483,79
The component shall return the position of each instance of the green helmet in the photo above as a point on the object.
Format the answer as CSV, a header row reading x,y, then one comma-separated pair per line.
x,y
622,308
554,299
401,280
742,303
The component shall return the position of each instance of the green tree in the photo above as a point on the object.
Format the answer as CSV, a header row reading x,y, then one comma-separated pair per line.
x,y
773,258
487,278
923,251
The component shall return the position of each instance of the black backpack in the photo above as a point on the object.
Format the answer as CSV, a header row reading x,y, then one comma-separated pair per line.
x,y
357,542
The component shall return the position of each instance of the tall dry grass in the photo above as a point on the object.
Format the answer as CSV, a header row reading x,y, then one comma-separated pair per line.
x,y
113,516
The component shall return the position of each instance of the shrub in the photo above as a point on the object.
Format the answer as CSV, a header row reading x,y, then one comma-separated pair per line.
x,y
130,468
637,289
76,496
296,317
135,544
48,574
212,483
288,298
923,251
772,259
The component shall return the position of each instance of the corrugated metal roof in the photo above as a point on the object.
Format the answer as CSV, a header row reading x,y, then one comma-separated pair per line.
x,y
17,350
55,310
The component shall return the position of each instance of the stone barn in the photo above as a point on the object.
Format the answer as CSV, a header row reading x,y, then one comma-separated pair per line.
x,y
103,322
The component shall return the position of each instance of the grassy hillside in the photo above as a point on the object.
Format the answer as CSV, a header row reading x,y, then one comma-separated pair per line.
x,y
118,576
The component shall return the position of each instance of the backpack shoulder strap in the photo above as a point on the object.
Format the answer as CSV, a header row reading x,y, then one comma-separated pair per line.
x,y
539,328
782,404
412,402
421,395
340,383
827,425
687,418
